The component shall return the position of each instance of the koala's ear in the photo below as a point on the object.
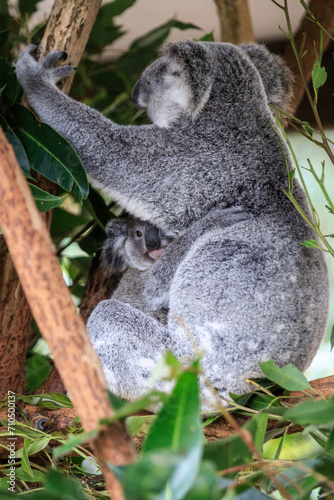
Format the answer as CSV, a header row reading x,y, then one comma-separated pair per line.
x,y
113,255
197,62
276,77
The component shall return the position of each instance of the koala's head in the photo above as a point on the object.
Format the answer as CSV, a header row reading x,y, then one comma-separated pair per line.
x,y
176,84
132,243
181,81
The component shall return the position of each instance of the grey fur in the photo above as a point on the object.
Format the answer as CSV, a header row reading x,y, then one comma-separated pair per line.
x,y
210,171
132,243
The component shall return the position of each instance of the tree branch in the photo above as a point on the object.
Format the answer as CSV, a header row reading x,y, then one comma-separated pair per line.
x,y
52,306
235,21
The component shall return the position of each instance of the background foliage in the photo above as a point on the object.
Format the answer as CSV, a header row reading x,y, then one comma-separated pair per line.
x,y
175,460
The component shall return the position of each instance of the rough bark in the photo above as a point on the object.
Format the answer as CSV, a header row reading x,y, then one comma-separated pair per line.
x,y
235,21
53,309
307,40
68,29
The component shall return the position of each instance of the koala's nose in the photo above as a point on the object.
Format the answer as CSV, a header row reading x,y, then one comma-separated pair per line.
x,y
152,239
135,93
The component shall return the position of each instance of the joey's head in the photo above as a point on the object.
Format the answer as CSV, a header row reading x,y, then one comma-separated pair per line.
x,y
132,243
145,244
177,84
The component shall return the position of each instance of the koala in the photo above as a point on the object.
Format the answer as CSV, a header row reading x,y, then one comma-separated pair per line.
x,y
210,170
132,243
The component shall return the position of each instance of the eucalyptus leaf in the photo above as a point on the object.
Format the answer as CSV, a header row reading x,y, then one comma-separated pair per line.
x,y
319,75
312,412
38,368
288,377
44,200
178,424
8,83
332,338
231,451
17,146
310,244
49,154
27,7
25,460
73,442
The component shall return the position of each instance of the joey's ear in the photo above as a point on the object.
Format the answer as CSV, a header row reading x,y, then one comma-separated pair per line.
x,y
197,62
276,77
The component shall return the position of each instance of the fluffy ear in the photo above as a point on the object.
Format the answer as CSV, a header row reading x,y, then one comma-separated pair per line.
x,y
113,255
276,77
196,60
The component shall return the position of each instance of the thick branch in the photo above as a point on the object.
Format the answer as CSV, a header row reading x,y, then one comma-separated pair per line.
x,y
51,304
235,21
68,29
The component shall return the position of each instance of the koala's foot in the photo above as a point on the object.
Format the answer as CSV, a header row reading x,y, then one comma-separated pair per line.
x,y
31,72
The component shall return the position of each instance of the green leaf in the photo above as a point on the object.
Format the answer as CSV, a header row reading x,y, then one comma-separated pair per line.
x,y
44,200
310,244
147,478
25,460
332,338
138,424
73,442
312,412
307,127
143,50
38,368
49,154
104,30
261,420
125,409
64,222
288,377
8,83
231,451
207,484
27,7
57,484
37,477
319,75
17,146
178,424
35,446
50,400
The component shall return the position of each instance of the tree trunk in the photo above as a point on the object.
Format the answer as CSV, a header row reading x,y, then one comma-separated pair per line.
x,y
68,29
235,21
53,309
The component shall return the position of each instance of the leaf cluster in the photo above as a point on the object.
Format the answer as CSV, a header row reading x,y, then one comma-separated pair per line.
x,y
175,461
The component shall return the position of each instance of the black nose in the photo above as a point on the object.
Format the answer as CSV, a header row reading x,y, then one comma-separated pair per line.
x,y
152,238
135,92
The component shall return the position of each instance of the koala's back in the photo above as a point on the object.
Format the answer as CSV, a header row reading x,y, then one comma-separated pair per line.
x,y
270,298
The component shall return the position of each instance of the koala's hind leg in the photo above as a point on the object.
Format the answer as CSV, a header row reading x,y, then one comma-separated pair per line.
x,y
129,343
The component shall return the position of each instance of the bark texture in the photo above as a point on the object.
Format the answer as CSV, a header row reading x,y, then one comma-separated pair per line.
x,y
235,21
52,306
68,29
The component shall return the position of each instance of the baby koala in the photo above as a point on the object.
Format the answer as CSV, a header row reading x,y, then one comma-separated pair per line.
x,y
132,243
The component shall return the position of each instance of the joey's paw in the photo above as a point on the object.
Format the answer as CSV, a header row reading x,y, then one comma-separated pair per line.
x,y
31,72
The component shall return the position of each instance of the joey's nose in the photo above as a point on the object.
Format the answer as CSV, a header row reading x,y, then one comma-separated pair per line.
x,y
152,239
135,93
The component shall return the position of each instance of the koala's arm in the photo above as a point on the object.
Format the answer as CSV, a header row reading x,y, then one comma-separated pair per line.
x,y
113,155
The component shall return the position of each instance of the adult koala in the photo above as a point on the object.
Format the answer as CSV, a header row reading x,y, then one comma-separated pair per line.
x,y
210,170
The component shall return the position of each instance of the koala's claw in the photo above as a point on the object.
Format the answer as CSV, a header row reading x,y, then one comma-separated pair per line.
x,y
53,57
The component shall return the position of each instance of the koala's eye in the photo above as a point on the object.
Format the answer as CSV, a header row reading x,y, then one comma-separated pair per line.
x,y
139,234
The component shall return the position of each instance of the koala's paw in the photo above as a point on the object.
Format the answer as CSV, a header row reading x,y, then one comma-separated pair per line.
x,y
31,72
